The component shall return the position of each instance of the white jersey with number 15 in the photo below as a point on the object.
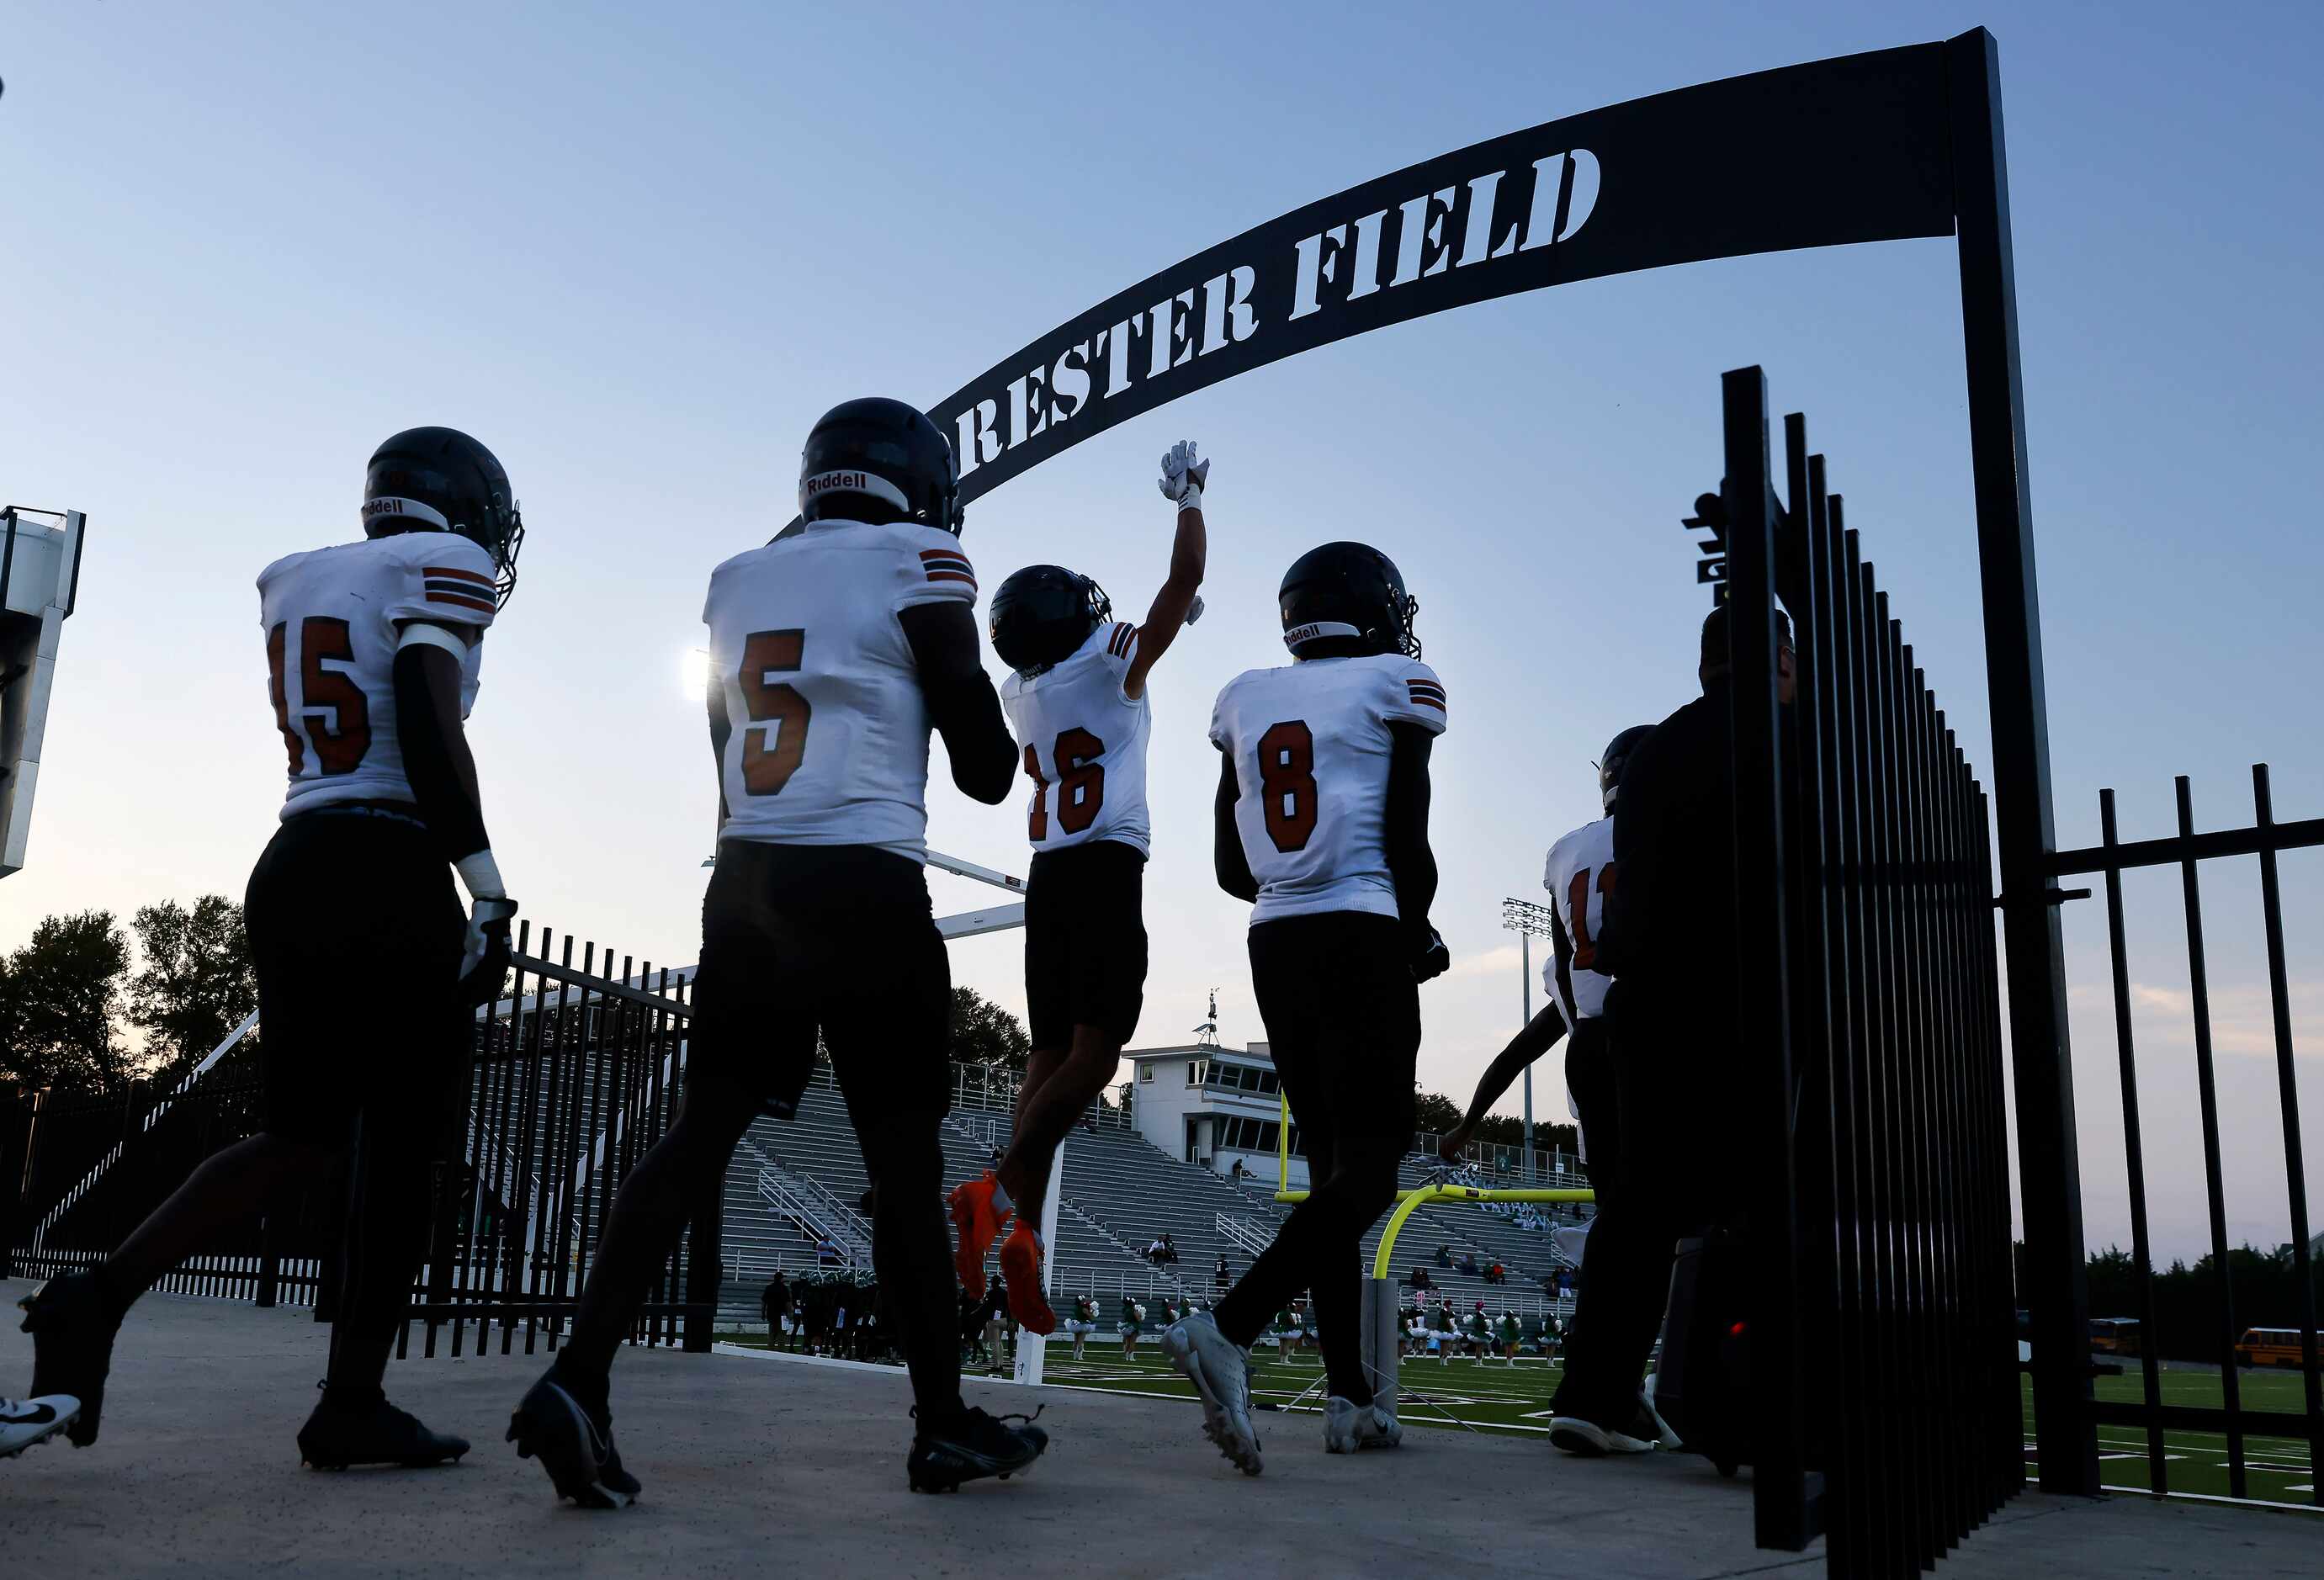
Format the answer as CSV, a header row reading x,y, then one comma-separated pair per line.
x,y
1310,744
830,729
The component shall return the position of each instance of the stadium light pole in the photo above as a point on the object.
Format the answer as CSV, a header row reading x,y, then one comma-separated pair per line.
x,y
1529,920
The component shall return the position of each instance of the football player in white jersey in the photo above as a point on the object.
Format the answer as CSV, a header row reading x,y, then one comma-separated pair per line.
x,y
1076,698
1579,874
1322,821
372,655
834,650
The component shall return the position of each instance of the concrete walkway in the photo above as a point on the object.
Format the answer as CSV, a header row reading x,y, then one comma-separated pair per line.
x,y
763,1465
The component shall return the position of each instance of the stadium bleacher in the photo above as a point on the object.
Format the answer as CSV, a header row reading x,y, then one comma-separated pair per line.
x,y
1117,1193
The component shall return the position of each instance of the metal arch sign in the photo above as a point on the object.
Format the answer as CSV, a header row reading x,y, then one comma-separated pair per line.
x,y
1854,149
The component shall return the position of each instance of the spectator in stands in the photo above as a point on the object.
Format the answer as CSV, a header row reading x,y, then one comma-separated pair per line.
x,y
1443,1256
1497,1275
996,1321
776,1303
1132,1315
1082,1324
1420,1279
1234,1171
1222,1277
827,1252
1161,1253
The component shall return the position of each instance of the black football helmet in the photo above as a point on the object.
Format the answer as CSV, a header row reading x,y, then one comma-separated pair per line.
x,y
1348,590
439,480
1616,758
1043,614
883,450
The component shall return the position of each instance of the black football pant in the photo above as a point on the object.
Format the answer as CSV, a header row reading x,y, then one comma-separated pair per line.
x,y
342,898
1650,1087
797,940
1342,1017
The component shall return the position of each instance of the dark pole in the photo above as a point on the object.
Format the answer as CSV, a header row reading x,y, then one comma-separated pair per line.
x,y
1782,1516
2049,1164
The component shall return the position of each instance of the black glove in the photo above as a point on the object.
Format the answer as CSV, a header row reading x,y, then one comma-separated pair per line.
x,y
1432,959
484,956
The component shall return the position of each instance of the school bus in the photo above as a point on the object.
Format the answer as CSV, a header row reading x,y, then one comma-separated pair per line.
x,y
2114,1336
2269,1347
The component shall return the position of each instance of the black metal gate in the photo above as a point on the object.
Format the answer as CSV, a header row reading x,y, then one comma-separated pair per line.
x,y
1884,1362
571,1079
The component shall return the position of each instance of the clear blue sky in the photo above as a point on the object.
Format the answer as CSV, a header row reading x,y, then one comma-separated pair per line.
x,y
637,254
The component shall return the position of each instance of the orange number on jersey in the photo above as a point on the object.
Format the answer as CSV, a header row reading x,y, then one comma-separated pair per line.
x,y
1036,827
1081,779
772,754
1081,784
1286,783
1577,904
340,750
275,638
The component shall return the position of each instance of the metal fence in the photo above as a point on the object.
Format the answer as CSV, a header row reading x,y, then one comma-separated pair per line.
x,y
571,1079
2264,839
1872,1012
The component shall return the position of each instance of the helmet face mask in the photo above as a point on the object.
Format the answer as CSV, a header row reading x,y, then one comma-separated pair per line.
x,y
439,480
1347,593
1042,614
883,451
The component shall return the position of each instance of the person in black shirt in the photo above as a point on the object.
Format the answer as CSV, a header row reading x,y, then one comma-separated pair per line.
x,y
776,1303
1666,940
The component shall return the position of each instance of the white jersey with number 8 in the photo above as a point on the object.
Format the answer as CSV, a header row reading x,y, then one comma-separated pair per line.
x,y
1310,744
331,618
830,731
1084,739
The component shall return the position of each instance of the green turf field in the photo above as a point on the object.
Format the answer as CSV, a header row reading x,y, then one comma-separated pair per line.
x,y
2278,1468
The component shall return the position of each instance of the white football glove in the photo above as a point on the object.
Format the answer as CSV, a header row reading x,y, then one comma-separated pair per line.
x,y
1183,476
1194,610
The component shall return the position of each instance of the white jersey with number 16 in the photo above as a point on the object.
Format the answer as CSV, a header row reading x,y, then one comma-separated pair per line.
x,y
1310,744
1083,741
830,729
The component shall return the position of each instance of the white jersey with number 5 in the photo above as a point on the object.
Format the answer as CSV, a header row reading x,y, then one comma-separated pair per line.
x,y
1084,740
1310,745
830,731
1578,876
331,618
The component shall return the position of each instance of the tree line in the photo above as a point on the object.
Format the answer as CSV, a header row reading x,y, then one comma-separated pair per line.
x,y
84,1011
2266,1285
88,1007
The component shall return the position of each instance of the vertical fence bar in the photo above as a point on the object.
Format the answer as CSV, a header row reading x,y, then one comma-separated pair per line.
x,y
2200,989
2134,1157
2295,1173
1780,1515
1842,1442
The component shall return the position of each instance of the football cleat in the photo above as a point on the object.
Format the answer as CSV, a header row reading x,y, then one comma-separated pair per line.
x,y
973,1446
1220,1373
1579,1434
977,1223
26,1421
1350,1428
334,1439
574,1443
1021,1268
72,1327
